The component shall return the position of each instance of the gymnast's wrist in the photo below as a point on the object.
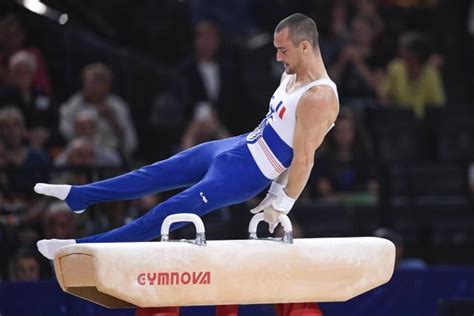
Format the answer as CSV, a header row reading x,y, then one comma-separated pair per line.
x,y
275,188
283,203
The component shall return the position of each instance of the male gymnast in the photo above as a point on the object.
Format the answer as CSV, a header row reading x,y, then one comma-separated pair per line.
x,y
279,152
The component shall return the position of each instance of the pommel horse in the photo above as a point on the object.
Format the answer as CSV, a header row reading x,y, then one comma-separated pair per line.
x,y
224,272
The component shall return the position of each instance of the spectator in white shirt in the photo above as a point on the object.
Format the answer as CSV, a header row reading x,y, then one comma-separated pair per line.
x,y
115,128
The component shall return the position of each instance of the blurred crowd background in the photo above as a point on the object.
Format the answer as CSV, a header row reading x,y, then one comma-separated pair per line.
x,y
91,89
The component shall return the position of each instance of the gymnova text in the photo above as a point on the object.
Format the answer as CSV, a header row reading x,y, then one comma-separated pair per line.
x,y
174,278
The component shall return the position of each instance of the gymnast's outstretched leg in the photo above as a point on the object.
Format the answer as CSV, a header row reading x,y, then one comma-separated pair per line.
x,y
230,180
182,170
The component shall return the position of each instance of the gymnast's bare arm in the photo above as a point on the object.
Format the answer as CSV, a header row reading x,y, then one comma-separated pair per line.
x,y
316,112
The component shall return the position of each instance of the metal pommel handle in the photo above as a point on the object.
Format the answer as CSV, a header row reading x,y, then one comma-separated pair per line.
x,y
184,217
284,221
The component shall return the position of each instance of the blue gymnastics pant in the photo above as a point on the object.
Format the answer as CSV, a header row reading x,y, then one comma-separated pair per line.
x,y
216,174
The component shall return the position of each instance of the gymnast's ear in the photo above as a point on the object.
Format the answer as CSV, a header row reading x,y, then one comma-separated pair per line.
x,y
305,46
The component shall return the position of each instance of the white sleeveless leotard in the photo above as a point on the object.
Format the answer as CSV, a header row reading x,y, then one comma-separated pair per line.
x,y
271,143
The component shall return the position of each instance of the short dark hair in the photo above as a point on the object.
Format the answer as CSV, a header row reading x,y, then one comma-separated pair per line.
x,y
300,28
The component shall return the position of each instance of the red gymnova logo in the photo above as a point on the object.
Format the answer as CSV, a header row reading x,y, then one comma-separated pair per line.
x,y
174,278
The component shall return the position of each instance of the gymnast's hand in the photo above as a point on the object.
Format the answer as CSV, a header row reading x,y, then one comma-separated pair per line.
x,y
270,215
273,192
272,206
265,206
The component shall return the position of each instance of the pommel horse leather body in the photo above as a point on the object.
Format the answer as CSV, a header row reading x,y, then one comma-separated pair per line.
x,y
155,274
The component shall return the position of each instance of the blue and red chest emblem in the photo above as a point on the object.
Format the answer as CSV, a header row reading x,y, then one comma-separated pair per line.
x,y
279,110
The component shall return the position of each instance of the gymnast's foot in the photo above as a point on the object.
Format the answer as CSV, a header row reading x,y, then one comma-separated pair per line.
x,y
59,191
48,247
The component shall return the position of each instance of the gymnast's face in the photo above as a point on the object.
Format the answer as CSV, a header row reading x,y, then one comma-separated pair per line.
x,y
287,53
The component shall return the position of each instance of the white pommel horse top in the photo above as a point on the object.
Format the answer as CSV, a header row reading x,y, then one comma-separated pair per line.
x,y
220,272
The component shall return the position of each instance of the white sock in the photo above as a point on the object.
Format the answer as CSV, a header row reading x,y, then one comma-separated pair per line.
x,y
48,247
59,191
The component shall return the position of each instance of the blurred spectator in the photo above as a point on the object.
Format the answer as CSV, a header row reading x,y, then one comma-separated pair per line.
x,y
12,134
412,80
59,221
358,70
338,27
12,41
25,266
401,262
40,116
341,33
212,78
368,9
115,126
338,32
345,164
85,126
80,152
204,127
